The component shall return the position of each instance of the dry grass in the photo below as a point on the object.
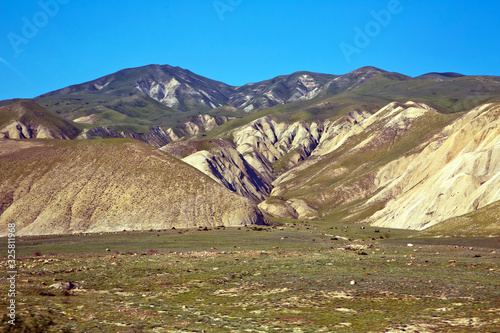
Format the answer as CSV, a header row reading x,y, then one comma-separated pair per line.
x,y
290,278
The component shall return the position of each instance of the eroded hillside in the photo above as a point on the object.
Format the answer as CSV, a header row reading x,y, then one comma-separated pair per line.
x,y
405,166
110,185
25,119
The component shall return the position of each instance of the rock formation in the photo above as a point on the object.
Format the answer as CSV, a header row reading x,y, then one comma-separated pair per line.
x,y
110,185
27,120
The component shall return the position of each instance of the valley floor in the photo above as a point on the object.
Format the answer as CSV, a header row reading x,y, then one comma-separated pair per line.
x,y
293,277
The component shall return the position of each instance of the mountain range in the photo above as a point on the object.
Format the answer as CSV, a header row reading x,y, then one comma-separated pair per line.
x,y
370,146
142,100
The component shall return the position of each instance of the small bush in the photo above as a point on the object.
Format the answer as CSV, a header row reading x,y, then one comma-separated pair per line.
x,y
32,322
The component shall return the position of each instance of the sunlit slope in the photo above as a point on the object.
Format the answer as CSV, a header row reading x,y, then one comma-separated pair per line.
x,y
110,185
25,119
484,222
406,166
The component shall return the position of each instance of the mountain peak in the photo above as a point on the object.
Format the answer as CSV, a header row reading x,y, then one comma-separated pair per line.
x,y
435,76
367,69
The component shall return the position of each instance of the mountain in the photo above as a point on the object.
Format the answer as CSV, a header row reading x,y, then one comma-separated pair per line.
x,y
135,99
56,187
134,102
171,86
456,172
405,166
370,146
279,90
439,76
26,119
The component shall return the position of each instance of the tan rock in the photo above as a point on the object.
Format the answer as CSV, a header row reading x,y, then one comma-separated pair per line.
x,y
110,185
452,176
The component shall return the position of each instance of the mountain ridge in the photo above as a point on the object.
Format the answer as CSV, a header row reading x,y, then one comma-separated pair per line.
x,y
137,99
356,148
56,187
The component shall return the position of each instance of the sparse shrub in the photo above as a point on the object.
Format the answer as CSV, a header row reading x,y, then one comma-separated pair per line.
x,y
31,322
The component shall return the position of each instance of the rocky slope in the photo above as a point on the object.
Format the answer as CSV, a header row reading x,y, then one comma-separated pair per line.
x,y
135,100
221,161
265,148
157,136
25,119
181,89
378,172
282,89
110,185
405,166
342,167
457,172
171,86
171,97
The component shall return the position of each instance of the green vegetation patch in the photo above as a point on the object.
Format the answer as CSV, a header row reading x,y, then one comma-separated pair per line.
x,y
314,277
484,222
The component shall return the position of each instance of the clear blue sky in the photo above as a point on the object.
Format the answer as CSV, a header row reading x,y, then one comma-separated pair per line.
x,y
49,44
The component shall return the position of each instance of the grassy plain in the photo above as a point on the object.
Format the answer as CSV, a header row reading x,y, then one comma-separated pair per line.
x,y
290,277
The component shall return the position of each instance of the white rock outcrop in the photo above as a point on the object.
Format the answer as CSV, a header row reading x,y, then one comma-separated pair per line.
x,y
457,172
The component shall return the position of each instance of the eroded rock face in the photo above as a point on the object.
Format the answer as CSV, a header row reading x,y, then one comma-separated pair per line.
x,y
203,123
19,130
377,164
267,148
92,186
457,172
16,130
292,208
29,120
358,133
157,136
275,140
223,163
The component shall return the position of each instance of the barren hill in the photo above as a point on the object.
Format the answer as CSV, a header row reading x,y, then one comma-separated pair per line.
x,y
26,119
110,185
405,166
